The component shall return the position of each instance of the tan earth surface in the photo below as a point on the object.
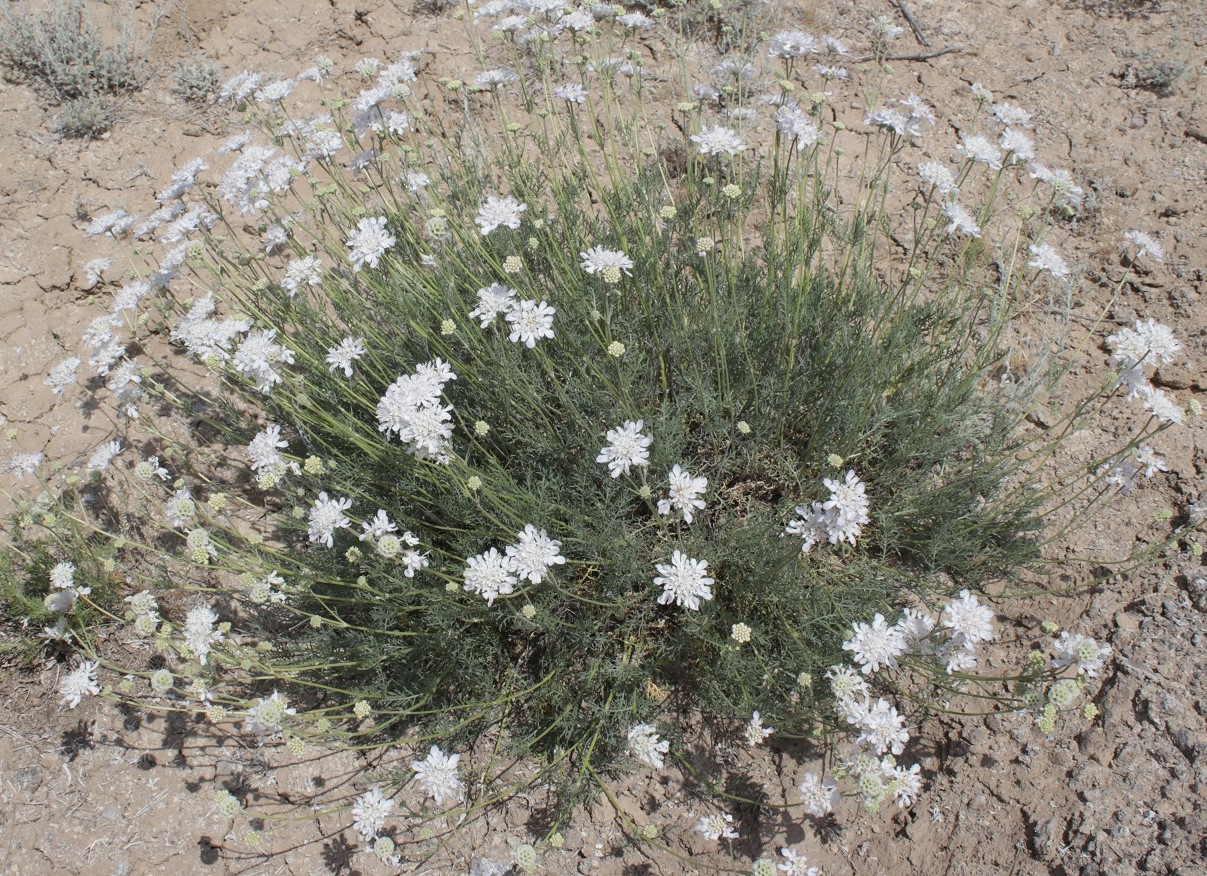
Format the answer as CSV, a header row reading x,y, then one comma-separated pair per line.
x,y
101,791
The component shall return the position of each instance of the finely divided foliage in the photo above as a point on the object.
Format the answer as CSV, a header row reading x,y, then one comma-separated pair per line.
x,y
556,463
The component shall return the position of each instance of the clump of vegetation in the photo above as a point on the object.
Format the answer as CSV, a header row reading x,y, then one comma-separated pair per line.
x,y
59,49
549,421
1152,74
432,7
86,118
196,82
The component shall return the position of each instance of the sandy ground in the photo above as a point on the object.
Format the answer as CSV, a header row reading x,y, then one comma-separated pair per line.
x,y
98,791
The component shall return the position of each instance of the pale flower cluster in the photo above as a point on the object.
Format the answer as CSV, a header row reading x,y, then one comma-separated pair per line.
x,y
382,533
684,494
325,517
953,638
437,775
267,462
840,518
498,212
258,358
627,446
684,581
369,813
530,558
79,683
201,632
204,336
368,242
647,746
719,140
411,408
1074,649
717,826
1146,346
267,716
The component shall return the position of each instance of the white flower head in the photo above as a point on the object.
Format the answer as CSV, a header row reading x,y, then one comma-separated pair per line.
x,y
1011,115
21,464
142,604
719,140
1045,258
599,259
646,746
959,655
1146,245
180,509
1067,192
717,826
910,118
493,300
267,716
489,575
368,242
846,509
627,446
940,176
1074,649
968,619
495,78
809,525
437,774
1148,462
916,627
684,494
819,795
884,29
94,269
876,645
369,813
684,581
834,45
847,684
571,92
263,452
62,576
200,634
792,44
1159,340
416,180
343,354
961,221
378,527
496,211
411,407
755,733
1162,406
79,683
99,461
306,271
982,150
905,785
794,122
63,375
534,554
882,729
1130,348
1017,145
326,516
795,864
258,357
530,321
